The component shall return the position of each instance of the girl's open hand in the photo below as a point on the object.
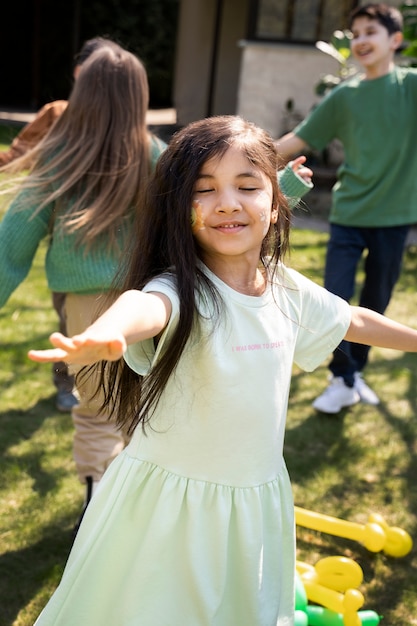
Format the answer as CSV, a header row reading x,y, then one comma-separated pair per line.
x,y
83,349
300,169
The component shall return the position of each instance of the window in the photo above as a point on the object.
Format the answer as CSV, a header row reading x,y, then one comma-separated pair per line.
x,y
297,21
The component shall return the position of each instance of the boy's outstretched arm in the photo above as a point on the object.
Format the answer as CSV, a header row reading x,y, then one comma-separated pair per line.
x,y
133,317
289,145
372,329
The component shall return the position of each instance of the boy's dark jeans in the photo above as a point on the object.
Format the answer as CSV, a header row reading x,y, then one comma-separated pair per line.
x,y
382,267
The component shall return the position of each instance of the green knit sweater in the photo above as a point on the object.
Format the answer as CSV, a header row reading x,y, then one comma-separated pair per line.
x,y
69,267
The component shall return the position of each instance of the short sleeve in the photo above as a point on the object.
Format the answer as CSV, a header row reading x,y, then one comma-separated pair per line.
x,y
318,129
141,356
324,319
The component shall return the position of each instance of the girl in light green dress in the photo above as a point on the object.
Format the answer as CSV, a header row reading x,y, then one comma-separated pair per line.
x,y
193,523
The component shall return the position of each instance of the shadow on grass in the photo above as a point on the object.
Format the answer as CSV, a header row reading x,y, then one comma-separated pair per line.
x,y
19,372
17,426
23,572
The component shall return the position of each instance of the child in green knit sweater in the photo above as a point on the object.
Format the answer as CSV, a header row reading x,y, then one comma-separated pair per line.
x,y
83,192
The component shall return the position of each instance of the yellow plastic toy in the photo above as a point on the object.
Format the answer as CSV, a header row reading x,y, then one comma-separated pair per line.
x,y
375,535
332,583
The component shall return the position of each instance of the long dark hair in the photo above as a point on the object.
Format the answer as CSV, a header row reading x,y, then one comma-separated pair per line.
x,y
164,242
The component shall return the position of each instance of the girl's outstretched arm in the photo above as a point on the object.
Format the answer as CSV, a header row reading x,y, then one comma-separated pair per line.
x,y
133,317
373,329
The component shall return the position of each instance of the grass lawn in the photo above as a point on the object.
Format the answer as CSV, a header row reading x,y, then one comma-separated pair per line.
x,y
360,462
364,460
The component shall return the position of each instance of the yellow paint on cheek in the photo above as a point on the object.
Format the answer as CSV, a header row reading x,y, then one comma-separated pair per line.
x,y
197,217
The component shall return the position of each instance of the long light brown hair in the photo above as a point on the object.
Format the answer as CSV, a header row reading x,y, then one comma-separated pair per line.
x,y
95,161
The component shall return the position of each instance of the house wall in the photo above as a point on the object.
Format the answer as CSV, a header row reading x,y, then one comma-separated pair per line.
x,y
274,76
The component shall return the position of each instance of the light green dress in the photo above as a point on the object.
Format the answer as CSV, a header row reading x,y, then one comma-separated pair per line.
x,y
193,524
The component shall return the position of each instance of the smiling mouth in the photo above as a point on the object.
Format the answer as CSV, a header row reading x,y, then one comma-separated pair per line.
x,y
362,53
230,226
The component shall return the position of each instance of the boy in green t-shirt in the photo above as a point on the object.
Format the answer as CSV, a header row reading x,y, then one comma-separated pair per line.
x,y
374,200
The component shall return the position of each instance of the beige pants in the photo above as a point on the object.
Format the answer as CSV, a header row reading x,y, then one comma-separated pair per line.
x,y
97,440
60,375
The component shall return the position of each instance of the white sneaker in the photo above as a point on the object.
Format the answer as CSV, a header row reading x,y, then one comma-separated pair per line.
x,y
366,394
336,396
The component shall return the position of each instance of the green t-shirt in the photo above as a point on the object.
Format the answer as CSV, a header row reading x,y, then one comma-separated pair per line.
x,y
376,121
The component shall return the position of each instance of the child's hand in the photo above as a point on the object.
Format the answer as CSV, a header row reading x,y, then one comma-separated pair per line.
x,y
300,169
84,349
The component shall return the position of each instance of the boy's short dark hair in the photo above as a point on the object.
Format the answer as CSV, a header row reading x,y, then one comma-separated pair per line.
x,y
389,17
